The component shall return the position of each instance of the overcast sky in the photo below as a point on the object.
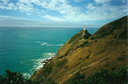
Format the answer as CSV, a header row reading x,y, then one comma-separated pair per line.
x,y
60,13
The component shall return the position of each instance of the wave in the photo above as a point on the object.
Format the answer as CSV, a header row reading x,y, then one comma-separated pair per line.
x,y
60,44
38,42
46,44
38,63
47,55
26,75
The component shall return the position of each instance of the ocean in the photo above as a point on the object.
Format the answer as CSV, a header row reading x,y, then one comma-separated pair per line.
x,y
23,49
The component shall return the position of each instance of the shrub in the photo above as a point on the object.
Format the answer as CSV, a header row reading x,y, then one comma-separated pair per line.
x,y
14,78
102,77
51,81
109,31
78,79
123,34
47,69
121,58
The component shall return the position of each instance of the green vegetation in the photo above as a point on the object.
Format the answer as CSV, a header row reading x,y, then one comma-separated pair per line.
x,y
66,53
87,36
103,60
100,51
47,69
14,78
121,58
104,34
17,78
101,35
66,67
109,31
88,44
78,79
75,37
82,45
123,34
51,81
102,77
61,63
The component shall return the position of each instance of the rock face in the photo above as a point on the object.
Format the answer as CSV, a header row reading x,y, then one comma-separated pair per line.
x,y
106,49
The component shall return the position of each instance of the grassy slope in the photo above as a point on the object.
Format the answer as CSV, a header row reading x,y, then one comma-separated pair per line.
x,y
106,49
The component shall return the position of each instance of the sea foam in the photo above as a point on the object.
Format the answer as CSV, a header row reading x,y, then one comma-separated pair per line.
x,y
39,63
26,75
38,42
46,44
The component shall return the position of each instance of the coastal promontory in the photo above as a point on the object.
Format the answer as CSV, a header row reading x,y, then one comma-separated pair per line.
x,y
104,50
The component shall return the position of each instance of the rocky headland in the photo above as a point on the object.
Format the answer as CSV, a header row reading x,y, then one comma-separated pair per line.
x,y
87,54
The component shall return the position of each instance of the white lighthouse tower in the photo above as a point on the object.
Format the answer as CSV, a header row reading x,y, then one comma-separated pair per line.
x,y
84,28
84,31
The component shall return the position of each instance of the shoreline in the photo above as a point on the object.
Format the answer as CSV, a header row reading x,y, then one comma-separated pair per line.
x,y
46,60
43,62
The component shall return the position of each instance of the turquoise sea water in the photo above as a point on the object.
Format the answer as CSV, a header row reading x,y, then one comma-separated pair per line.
x,y
23,49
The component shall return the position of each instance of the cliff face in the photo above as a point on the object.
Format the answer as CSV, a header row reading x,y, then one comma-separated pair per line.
x,y
106,49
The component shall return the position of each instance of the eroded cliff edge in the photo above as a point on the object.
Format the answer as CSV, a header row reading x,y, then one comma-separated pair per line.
x,y
105,49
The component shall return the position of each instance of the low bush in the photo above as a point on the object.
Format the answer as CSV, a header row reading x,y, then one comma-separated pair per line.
x,y
47,69
78,79
51,81
102,77
14,78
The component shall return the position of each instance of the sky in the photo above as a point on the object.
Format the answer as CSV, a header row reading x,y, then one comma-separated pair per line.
x,y
60,13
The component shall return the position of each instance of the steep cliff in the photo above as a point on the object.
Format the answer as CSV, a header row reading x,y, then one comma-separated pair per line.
x,y
105,49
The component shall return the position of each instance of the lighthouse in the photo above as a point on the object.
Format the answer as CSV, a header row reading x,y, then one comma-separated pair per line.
x,y
85,33
84,28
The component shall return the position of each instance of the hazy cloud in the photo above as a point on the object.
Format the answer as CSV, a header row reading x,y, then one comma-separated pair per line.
x,y
105,11
102,1
22,23
13,18
54,18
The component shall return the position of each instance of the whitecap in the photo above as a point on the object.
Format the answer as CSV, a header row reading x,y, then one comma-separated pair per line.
x,y
39,63
39,66
50,45
60,44
49,54
37,42
54,44
26,75
44,43
34,66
